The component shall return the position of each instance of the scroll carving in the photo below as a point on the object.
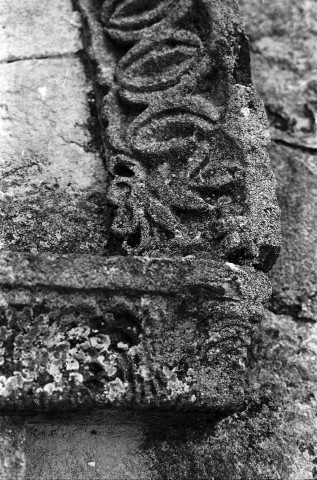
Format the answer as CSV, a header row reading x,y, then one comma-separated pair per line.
x,y
176,153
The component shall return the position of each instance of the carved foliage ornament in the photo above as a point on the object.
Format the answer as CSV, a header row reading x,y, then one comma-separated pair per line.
x,y
177,166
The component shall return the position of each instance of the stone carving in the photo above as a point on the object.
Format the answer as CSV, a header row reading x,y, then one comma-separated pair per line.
x,y
128,21
166,319
95,331
177,133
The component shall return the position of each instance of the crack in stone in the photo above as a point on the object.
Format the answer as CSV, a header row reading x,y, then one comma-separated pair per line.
x,y
12,172
70,141
41,57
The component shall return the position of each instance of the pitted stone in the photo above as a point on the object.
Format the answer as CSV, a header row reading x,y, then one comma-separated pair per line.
x,y
127,332
185,134
166,319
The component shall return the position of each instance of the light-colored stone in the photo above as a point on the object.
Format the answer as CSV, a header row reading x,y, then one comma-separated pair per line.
x,y
37,29
12,456
44,119
52,182
294,277
86,452
283,38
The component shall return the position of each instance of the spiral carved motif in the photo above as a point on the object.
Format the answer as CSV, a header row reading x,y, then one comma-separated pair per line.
x,y
177,167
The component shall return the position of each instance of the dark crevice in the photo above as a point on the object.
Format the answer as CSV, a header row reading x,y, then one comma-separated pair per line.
x,y
295,311
123,170
294,145
96,291
94,123
242,71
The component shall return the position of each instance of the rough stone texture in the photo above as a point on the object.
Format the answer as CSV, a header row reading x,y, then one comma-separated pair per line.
x,y
204,340
283,38
185,133
295,276
255,444
284,64
36,29
81,331
12,455
52,182
273,439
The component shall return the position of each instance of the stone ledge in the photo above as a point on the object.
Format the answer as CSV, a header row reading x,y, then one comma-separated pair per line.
x,y
81,331
139,274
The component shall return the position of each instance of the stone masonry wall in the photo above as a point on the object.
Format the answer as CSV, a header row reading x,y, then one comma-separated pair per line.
x,y
52,177
274,438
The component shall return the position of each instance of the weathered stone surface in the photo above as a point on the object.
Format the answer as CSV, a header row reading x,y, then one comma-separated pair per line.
x,y
12,454
284,61
273,439
52,182
36,29
85,447
202,339
185,133
295,276
81,331
283,38
174,447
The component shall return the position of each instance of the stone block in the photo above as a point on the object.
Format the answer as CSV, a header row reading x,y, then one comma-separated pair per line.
x,y
52,178
166,320
86,448
80,331
274,437
12,454
38,29
294,277
284,69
